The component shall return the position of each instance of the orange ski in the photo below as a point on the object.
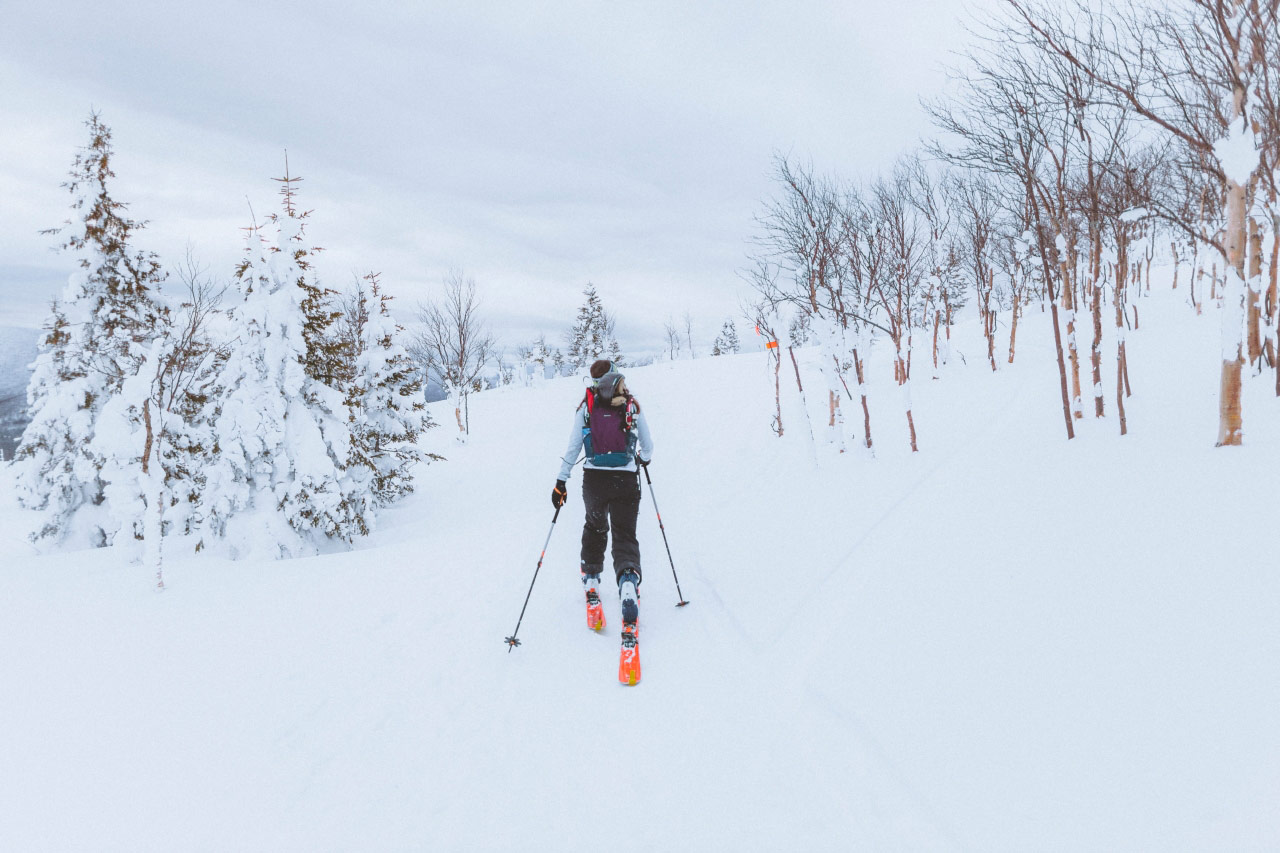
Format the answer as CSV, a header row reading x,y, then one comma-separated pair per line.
x,y
595,611
629,663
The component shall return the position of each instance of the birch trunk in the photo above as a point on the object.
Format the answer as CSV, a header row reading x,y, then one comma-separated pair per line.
x,y
1253,295
1013,330
862,392
1120,353
153,480
1230,417
1095,355
1069,307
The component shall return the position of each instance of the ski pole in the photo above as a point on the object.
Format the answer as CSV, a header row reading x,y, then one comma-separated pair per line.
x,y
652,497
512,642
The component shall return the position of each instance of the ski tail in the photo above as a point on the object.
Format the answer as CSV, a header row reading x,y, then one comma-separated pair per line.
x,y
595,611
629,662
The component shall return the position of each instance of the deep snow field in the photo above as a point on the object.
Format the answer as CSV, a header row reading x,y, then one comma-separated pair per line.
x,y
1007,641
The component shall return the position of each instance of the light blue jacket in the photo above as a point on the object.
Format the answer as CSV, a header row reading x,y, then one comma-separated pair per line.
x,y
644,448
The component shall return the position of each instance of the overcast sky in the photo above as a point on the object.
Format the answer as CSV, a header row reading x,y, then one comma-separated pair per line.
x,y
538,146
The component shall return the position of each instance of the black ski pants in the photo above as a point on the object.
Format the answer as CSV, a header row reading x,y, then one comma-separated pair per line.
x,y
611,498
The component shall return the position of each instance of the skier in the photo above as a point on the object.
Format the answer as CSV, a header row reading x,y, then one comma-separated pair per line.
x,y
610,428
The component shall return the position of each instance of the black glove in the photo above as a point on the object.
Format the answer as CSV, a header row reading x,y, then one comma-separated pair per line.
x,y
559,494
644,463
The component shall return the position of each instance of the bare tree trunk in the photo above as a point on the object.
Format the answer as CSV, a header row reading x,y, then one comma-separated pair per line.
x,y
804,406
1253,296
1275,268
1120,335
836,425
1120,371
1272,352
1069,306
1230,417
910,350
1013,329
946,301
991,320
1062,370
906,393
153,528
937,321
777,390
1095,355
862,392
1173,247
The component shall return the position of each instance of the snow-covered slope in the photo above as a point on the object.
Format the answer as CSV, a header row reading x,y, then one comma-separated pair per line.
x,y
1004,642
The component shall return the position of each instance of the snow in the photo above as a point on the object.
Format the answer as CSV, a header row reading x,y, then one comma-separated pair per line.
x,y
1238,153
1007,641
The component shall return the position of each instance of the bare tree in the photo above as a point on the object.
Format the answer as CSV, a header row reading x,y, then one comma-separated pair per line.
x,y
994,130
454,343
1205,75
178,373
898,290
672,331
688,334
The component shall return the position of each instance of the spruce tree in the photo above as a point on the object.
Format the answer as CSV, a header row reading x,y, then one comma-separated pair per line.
x,y
324,358
727,341
588,337
276,479
386,410
96,338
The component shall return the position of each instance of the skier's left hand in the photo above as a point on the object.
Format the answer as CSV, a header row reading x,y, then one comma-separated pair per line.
x,y
559,494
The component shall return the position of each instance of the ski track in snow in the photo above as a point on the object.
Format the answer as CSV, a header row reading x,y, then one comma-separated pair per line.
x,y
1004,642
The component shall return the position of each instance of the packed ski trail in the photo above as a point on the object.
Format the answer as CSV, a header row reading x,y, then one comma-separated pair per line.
x,y
1006,641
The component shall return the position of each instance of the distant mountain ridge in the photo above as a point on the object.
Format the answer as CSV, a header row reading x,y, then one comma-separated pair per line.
x,y
17,352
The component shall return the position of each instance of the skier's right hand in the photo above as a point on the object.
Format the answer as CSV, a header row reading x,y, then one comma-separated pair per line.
x,y
559,494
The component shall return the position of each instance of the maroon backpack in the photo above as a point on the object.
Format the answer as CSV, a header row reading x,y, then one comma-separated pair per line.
x,y
609,436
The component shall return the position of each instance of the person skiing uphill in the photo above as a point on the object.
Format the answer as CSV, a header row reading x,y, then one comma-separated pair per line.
x,y
610,428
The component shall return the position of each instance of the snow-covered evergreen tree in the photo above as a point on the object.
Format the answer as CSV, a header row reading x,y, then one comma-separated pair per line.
x,y
537,358
385,406
154,436
325,351
97,336
276,481
726,342
588,339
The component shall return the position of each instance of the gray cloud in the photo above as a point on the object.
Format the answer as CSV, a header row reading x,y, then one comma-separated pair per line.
x,y
539,146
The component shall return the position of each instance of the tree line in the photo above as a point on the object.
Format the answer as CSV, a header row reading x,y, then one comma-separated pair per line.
x,y
268,415
1082,141
264,414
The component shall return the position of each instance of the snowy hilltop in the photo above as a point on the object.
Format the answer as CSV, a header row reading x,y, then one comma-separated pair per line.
x,y
1000,639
